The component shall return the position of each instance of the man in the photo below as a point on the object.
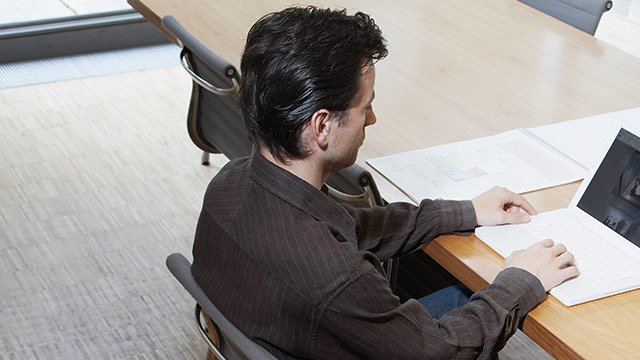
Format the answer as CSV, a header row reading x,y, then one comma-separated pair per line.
x,y
299,273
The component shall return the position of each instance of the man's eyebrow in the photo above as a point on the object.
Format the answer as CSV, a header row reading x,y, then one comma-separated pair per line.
x,y
373,96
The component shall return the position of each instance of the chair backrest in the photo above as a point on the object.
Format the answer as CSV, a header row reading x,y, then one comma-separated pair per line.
x,y
236,344
214,121
582,14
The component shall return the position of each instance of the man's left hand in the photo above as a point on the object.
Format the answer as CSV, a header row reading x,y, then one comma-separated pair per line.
x,y
501,206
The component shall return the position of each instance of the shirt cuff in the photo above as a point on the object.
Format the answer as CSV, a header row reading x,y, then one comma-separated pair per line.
x,y
456,215
524,286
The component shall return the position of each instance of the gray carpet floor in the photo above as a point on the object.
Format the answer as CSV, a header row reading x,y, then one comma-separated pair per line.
x,y
99,182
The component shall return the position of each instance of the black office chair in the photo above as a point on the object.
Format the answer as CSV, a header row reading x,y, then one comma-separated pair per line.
x,y
232,343
582,14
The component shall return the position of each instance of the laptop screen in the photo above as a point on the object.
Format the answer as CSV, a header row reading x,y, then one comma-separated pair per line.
x,y
613,195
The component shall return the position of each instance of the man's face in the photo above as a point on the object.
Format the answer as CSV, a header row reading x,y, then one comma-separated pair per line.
x,y
349,135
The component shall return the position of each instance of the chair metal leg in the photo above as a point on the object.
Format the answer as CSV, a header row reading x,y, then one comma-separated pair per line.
x,y
205,158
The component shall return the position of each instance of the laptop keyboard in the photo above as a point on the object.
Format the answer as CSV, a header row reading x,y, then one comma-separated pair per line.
x,y
594,257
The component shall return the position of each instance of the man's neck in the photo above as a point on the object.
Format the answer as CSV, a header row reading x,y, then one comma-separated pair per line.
x,y
306,169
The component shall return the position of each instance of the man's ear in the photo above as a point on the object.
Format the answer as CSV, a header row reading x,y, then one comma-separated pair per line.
x,y
320,124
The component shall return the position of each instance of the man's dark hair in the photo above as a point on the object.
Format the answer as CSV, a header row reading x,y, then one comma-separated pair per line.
x,y
298,61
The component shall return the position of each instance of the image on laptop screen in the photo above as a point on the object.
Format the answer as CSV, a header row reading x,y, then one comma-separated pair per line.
x,y
613,195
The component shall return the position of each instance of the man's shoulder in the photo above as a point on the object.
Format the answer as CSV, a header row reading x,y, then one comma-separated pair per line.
x,y
226,192
232,179
232,173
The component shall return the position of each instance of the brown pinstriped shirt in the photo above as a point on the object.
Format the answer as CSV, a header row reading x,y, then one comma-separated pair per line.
x,y
300,274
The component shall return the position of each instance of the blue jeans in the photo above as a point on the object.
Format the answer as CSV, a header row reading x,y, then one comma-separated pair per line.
x,y
445,300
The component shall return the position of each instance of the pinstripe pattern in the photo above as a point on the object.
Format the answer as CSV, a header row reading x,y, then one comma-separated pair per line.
x,y
301,274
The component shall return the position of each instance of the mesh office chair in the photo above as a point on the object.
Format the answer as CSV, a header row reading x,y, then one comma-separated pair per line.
x,y
213,122
232,343
582,14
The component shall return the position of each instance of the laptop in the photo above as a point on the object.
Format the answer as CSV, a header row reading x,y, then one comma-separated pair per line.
x,y
601,227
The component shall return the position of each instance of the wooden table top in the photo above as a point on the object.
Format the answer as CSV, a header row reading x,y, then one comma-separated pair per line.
x,y
458,70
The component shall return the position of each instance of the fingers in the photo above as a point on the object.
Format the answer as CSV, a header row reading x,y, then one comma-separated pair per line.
x,y
558,249
569,272
564,264
513,209
560,257
544,243
521,202
564,260
512,206
510,217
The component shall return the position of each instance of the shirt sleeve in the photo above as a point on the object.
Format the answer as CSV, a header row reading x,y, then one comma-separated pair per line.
x,y
366,320
400,228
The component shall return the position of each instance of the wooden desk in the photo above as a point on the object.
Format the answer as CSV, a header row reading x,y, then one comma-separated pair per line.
x,y
459,70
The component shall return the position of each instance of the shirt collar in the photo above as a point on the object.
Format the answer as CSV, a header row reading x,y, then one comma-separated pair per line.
x,y
300,194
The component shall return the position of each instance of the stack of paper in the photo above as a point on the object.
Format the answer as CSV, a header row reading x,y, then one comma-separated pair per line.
x,y
522,160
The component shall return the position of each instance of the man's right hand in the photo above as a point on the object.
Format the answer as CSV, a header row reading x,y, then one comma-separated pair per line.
x,y
551,263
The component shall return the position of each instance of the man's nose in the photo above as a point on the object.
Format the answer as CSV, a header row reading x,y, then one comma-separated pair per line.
x,y
371,118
